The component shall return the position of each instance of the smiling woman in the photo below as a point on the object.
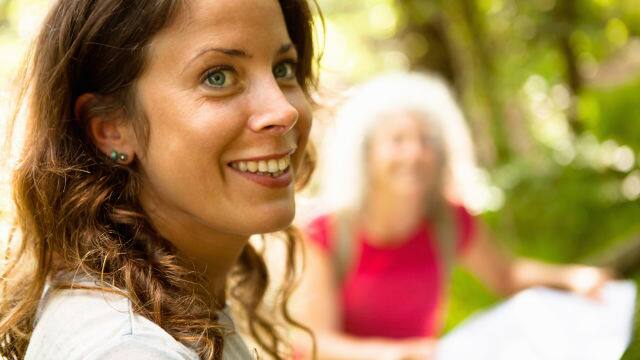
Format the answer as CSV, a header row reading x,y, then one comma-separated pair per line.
x,y
160,136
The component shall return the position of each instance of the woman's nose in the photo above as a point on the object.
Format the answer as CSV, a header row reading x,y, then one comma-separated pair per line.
x,y
272,111
415,152
412,149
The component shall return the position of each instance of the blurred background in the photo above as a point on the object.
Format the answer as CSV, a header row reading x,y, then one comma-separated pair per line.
x,y
550,89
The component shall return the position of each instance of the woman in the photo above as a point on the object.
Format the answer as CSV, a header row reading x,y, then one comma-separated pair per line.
x,y
160,136
394,166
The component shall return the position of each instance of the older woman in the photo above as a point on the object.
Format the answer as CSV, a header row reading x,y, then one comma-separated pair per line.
x,y
160,136
396,167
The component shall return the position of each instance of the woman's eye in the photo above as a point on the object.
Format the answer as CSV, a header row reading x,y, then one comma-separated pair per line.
x,y
285,70
219,78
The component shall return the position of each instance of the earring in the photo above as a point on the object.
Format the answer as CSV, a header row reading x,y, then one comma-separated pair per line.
x,y
116,156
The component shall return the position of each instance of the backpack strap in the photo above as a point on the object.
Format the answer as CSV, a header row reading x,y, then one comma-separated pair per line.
x,y
446,231
343,239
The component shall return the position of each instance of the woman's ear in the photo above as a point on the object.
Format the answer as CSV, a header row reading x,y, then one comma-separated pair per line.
x,y
110,133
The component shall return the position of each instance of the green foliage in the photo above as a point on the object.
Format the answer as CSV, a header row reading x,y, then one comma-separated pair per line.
x,y
550,214
614,113
468,295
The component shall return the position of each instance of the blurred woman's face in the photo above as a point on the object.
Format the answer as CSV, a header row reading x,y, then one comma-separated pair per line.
x,y
228,120
402,156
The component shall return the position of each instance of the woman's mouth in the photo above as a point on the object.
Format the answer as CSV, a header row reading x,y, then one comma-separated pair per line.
x,y
271,167
273,172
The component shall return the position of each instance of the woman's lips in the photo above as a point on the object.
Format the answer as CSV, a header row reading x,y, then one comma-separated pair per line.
x,y
272,171
279,180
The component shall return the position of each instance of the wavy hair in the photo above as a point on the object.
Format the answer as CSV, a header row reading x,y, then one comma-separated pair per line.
x,y
344,148
78,212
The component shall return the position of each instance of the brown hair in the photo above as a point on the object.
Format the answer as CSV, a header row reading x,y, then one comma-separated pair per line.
x,y
77,211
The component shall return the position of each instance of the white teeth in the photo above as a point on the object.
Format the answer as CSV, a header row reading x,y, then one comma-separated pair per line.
x,y
274,167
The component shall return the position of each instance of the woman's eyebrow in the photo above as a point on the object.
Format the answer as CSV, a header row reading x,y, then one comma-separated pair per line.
x,y
226,51
234,52
284,48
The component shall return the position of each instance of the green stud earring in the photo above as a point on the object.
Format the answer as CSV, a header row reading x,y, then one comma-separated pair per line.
x,y
116,156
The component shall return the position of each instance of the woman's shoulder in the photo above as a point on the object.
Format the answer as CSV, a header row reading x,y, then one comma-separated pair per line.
x,y
97,324
463,216
466,225
320,231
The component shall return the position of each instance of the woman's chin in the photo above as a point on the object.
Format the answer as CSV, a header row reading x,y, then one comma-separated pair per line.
x,y
272,222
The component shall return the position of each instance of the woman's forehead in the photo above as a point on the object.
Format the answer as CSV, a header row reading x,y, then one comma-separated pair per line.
x,y
405,120
232,23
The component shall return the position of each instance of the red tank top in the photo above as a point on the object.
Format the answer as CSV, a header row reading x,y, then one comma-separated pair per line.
x,y
393,291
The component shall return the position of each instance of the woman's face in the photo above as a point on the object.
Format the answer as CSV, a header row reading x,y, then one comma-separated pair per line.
x,y
228,121
402,156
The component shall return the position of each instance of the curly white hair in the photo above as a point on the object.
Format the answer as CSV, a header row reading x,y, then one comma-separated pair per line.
x,y
342,155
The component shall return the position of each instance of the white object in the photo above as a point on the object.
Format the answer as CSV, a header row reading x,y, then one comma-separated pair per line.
x,y
546,324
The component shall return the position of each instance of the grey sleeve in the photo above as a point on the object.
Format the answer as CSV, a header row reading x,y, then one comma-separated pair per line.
x,y
133,347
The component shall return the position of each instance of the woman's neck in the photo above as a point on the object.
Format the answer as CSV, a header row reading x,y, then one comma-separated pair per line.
x,y
388,218
212,254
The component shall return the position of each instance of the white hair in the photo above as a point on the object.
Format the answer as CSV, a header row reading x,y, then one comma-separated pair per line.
x,y
342,156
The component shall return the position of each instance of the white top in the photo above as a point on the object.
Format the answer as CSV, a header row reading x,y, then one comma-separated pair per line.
x,y
77,324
